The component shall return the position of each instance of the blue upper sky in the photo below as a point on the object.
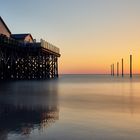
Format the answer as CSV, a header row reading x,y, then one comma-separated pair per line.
x,y
38,16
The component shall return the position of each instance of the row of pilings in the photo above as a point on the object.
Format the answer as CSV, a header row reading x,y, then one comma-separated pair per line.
x,y
122,68
27,61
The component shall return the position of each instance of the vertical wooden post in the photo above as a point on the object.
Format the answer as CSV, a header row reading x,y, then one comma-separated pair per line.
x,y
113,69
56,67
122,68
117,68
130,66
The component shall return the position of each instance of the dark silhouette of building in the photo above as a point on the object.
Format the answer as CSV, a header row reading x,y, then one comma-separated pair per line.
x,y
21,57
23,37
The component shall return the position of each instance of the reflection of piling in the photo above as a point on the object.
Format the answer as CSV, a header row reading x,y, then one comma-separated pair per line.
x,y
122,67
117,68
130,66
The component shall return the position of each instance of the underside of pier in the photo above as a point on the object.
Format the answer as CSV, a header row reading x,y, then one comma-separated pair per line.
x,y
23,61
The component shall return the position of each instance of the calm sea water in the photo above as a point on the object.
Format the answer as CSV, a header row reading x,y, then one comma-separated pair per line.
x,y
73,107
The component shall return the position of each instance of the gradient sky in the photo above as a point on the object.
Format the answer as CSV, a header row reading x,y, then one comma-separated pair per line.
x,y
92,34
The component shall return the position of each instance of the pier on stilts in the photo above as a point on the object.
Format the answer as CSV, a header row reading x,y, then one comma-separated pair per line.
x,y
24,60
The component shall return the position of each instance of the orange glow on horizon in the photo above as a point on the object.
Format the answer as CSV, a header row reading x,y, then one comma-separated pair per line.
x,y
74,65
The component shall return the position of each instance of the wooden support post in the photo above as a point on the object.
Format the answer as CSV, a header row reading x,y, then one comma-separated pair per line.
x,y
38,66
113,69
45,64
130,66
122,68
117,68
52,66
56,67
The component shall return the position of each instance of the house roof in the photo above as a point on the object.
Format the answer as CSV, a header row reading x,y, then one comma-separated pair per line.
x,y
21,36
5,25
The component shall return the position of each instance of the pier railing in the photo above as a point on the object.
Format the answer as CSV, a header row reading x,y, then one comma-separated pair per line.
x,y
49,46
10,42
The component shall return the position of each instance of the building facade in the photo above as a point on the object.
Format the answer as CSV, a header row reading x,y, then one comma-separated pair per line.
x,y
23,37
4,29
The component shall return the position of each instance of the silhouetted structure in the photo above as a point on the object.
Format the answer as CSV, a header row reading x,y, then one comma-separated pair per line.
x,y
22,58
23,37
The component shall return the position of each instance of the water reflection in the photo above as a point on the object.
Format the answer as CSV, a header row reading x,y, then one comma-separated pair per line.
x,y
122,96
25,106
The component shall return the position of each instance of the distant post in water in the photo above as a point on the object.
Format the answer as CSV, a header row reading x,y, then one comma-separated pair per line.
x,y
130,66
117,68
113,69
122,67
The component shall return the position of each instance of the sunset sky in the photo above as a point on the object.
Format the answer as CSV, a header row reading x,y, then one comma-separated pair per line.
x,y
92,34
